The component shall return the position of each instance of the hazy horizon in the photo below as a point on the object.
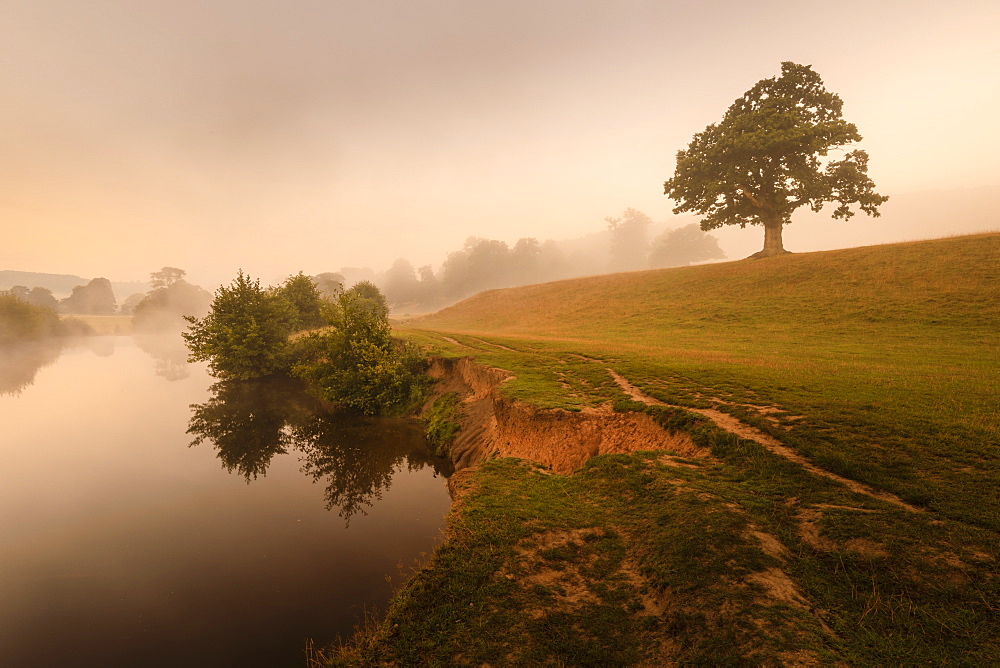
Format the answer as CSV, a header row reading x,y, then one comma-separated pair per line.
x,y
277,138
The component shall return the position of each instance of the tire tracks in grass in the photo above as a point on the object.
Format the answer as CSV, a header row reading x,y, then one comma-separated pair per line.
x,y
734,426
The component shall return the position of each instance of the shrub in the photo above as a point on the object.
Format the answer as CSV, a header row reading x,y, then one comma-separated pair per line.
x,y
245,335
21,321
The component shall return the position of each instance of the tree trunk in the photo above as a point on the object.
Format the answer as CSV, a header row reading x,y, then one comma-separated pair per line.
x,y
772,240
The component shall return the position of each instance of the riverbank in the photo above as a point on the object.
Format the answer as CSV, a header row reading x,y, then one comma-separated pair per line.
x,y
821,490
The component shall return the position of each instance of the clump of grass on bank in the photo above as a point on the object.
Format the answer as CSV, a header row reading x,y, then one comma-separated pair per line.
x,y
441,422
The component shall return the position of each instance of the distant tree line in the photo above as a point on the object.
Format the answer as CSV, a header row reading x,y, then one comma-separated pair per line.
x,y
94,298
483,264
23,321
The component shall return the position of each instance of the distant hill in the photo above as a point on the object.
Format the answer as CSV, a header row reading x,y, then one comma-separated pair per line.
x,y
62,285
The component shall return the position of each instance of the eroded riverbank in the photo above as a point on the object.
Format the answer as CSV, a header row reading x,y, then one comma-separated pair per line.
x,y
650,535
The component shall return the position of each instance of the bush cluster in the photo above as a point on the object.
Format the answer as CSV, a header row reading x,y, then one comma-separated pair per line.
x,y
347,354
22,321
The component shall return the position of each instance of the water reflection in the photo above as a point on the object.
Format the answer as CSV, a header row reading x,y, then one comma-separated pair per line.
x,y
130,549
357,457
249,422
168,351
20,363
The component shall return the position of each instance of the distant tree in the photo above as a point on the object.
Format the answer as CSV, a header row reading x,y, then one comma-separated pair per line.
x,y
525,262
401,285
20,291
629,240
329,284
428,287
171,299
128,306
245,334
303,295
42,297
685,245
94,298
371,299
552,261
166,277
353,275
767,158
481,264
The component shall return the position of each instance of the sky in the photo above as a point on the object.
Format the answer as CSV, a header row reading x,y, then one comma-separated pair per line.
x,y
285,135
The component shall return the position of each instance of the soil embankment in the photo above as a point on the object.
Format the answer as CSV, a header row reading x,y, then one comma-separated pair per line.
x,y
492,425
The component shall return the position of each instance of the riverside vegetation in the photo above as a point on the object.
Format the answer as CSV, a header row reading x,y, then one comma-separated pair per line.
x,y
342,347
852,517
31,337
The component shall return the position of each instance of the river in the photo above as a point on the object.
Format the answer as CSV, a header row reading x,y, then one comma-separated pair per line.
x,y
121,544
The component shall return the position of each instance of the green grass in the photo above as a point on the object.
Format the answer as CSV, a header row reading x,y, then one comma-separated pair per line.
x,y
880,364
891,354
441,422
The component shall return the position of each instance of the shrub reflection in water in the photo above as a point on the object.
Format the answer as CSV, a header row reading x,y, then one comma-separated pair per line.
x,y
249,422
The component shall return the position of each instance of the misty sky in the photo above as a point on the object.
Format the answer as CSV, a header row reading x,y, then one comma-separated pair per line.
x,y
312,134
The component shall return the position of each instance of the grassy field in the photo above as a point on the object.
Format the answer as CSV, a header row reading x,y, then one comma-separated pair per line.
x,y
878,364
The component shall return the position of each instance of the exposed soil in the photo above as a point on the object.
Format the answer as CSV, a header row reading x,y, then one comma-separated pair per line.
x,y
557,438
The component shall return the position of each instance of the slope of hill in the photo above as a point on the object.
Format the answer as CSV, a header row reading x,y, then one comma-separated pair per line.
x,y
954,280
836,503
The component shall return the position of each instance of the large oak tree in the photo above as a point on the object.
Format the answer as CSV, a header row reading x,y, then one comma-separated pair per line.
x,y
770,155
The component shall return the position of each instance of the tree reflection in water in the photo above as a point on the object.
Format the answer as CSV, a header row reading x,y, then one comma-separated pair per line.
x,y
250,422
20,362
169,353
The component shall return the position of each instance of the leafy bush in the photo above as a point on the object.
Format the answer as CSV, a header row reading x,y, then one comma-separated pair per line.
x,y
245,335
356,362
21,321
305,298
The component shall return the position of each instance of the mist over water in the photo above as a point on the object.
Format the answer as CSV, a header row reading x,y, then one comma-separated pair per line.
x,y
122,545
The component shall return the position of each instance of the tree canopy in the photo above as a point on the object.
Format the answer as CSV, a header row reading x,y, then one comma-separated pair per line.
x,y
349,358
245,335
165,306
356,362
629,239
768,156
94,298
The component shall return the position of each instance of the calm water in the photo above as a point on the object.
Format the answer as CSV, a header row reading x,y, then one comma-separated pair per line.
x,y
122,546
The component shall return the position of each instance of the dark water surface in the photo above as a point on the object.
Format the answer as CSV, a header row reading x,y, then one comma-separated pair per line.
x,y
122,546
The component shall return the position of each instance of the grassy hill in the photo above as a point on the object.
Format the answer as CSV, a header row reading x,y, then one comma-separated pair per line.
x,y
880,365
891,352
